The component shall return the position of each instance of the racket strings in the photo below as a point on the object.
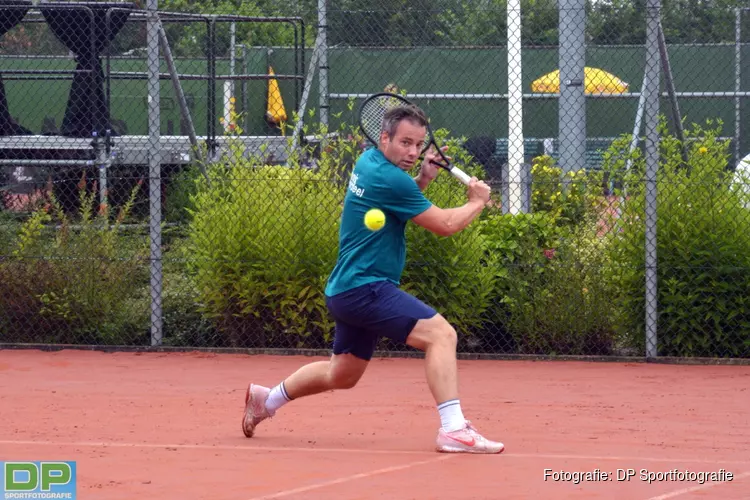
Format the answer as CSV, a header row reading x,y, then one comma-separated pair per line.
x,y
372,116
373,113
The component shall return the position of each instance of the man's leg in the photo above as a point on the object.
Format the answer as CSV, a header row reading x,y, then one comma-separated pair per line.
x,y
353,346
342,371
437,338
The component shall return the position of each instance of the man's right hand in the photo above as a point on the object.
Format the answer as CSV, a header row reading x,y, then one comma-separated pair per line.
x,y
445,222
478,191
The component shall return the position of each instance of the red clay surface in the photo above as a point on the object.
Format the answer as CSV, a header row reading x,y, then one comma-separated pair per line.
x,y
167,425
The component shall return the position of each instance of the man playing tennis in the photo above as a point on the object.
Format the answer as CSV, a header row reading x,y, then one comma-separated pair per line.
x,y
362,293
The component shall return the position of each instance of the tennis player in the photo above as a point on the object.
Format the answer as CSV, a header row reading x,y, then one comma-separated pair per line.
x,y
363,295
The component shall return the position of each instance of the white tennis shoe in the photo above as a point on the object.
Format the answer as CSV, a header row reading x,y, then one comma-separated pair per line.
x,y
466,440
255,408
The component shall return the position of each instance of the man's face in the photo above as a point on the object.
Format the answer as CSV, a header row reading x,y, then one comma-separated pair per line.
x,y
404,147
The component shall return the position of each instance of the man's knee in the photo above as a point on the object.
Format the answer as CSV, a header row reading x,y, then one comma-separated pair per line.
x,y
433,331
446,334
345,371
344,380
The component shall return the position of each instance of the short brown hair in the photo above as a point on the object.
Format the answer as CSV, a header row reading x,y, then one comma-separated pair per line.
x,y
397,114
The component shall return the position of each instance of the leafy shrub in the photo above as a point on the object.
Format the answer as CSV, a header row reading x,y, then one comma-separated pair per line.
x,y
51,293
565,306
262,242
10,223
516,244
568,196
179,192
183,323
703,263
552,295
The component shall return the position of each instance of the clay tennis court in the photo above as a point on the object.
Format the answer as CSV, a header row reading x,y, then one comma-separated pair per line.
x,y
167,425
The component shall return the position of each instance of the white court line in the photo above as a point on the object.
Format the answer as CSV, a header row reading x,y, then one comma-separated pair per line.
x,y
346,479
697,488
115,444
291,449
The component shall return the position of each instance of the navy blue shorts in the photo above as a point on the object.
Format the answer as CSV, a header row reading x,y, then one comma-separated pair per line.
x,y
365,314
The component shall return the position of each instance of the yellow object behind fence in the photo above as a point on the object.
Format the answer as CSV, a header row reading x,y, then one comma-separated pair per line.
x,y
275,111
596,81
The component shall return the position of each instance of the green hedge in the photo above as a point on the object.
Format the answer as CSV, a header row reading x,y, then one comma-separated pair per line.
x,y
703,237
76,280
249,266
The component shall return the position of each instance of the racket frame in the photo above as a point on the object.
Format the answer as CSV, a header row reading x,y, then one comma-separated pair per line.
x,y
445,164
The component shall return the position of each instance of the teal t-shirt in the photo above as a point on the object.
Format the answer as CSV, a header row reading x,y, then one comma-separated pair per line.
x,y
366,256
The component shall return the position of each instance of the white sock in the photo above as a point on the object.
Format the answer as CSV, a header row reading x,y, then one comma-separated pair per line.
x,y
277,398
451,416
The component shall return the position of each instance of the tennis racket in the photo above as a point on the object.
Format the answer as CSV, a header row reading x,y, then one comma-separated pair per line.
x,y
371,115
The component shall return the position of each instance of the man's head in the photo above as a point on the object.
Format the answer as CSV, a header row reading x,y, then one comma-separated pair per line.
x,y
403,135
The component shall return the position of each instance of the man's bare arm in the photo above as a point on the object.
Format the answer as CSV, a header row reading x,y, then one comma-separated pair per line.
x,y
449,221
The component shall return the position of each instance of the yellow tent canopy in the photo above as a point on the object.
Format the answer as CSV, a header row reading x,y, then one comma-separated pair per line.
x,y
275,112
596,81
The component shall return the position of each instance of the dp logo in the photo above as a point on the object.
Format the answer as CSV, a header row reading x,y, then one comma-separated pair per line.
x,y
56,479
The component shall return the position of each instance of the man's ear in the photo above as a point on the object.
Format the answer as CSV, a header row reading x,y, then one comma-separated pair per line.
x,y
384,137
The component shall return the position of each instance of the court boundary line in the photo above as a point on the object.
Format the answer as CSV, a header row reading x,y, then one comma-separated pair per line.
x,y
292,449
703,486
311,352
353,477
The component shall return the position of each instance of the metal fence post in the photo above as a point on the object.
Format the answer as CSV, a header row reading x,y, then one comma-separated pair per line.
x,y
737,83
154,173
515,110
652,166
572,105
323,54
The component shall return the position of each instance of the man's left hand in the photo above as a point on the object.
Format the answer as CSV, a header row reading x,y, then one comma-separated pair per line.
x,y
430,170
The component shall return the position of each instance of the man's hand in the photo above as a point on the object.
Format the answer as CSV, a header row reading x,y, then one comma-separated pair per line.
x,y
478,191
430,170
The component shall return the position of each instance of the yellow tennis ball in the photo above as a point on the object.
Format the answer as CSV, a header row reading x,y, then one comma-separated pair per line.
x,y
374,219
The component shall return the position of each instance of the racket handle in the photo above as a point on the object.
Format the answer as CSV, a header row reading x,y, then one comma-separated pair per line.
x,y
460,175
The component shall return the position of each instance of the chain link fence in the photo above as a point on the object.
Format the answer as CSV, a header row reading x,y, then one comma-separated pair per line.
x,y
172,177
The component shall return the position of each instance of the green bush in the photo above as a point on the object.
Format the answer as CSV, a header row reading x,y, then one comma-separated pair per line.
x,y
703,263
183,323
566,306
9,226
179,192
83,282
570,197
552,293
262,241
516,244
